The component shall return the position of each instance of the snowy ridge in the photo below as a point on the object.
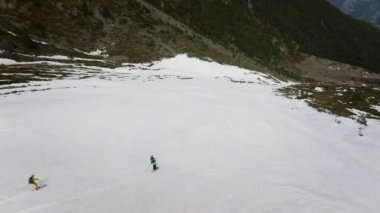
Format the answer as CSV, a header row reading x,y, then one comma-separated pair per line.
x,y
224,140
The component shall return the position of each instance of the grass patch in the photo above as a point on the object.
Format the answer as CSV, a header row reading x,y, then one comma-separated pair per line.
x,y
337,99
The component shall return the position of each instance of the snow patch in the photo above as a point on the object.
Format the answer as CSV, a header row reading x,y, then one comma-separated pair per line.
x,y
57,57
98,52
40,42
357,112
88,59
5,61
319,89
11,33
61,57
376,107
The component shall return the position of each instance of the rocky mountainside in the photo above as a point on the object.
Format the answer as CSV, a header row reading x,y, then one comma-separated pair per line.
x,y
366,10
126,30
271,33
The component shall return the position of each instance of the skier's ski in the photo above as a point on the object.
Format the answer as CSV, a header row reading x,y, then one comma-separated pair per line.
x,y
41,186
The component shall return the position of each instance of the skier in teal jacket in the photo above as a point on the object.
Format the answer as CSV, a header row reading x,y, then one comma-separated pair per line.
x,y
154,163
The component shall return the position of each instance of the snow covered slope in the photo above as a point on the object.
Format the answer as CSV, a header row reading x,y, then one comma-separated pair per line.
x,y
224,141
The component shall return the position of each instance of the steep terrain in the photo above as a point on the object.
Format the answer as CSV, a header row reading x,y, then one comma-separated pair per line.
x,y
366,10
268,30
268,33
123,30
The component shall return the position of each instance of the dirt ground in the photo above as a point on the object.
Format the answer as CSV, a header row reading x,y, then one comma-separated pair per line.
x,y
328,71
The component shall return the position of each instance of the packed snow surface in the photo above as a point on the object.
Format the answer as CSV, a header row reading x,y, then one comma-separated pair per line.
x,y
223,139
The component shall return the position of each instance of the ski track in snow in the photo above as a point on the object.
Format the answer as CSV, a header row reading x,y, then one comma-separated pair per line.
x,y
224,141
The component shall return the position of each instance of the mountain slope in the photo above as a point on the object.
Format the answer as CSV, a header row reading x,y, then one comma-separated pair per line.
x,y
270,33
126,29
261,28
